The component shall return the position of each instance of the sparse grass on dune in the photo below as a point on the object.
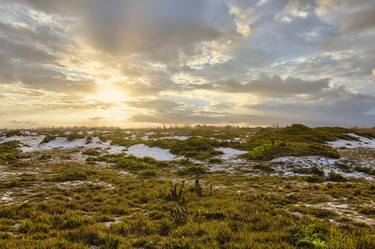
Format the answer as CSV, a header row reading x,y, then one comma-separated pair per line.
x,y
48,200
77,206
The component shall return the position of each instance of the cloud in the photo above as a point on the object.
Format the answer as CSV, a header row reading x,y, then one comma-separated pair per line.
x,y
352,16
243,19
329,107
361,20
30,53
158,29
192,61
268,86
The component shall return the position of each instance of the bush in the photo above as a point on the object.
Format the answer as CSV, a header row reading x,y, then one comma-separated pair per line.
x,y
9,151
310,236
75,175
195,147
314,179
335,177
148,173
191,170
366,170
132,164
48,138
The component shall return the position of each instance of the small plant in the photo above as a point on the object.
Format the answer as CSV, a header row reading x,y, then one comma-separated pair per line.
x,y
178,214
148,173
197,187
48,138
314,179
175,194
45,157
317,171
191,170
75,175
335,177
310,236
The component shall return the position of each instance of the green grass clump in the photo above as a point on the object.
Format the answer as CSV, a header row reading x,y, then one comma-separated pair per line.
x,y
72,175
196,147
295,140
91,152
133,164
9,151
314,179
311,236
366,170
13,133
148,173
368,210
335,177
194,169
269,151
48,138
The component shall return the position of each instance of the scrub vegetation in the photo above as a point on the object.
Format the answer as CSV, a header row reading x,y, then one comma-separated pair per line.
x,y
91,198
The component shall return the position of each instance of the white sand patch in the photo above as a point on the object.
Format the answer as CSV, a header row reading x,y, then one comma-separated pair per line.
x,y
114,221
230,152
229,140
148,134
230,166
288,165
68,184
363,142
141,150
62,143
28,143
176,137
33,143
6,198
306,161
344,210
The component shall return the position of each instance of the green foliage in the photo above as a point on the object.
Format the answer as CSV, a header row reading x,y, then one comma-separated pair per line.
x,y
366,170
9,151
148,173
295,140
91,152
335,177
196,147
72,175
48,138
112,209
13,133
132,164
315,179
312,236
269,151
194,169
368,210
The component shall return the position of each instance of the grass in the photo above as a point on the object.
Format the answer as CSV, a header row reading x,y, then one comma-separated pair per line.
x,y
295,140
9,151
217,219
120,201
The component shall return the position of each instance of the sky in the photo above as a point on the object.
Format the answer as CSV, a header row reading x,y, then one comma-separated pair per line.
x,y
140,63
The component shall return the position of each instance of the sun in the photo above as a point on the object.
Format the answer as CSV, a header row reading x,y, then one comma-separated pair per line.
x,y
108,94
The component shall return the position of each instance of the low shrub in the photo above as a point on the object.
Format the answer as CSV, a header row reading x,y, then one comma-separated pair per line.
x,y
335,177
191,170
